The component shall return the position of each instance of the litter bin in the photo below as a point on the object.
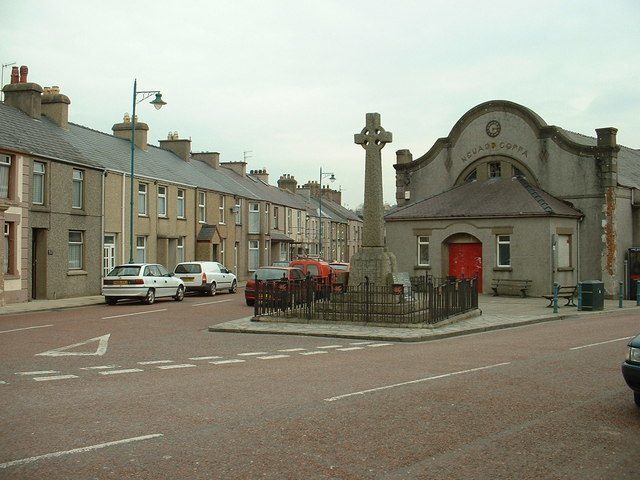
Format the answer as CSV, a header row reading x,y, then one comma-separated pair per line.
x,y
592,295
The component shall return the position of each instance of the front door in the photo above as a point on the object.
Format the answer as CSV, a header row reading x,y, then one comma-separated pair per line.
x,y
38,263
108,254
465,261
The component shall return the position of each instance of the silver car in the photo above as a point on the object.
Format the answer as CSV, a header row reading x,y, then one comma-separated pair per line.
x,y
146,281
206,277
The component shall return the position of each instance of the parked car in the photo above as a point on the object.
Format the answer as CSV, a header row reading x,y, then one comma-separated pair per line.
x,y
146,281
631,368
341,272
206,277
319,270
269,274
340,266
280,263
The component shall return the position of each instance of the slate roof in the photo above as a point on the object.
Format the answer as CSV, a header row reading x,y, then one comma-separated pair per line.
x,y
496,197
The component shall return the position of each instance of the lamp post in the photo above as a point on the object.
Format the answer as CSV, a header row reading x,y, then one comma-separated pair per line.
x,y
157,103
332,177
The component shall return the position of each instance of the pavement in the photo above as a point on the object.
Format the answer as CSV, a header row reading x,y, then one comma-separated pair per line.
x,y
493,313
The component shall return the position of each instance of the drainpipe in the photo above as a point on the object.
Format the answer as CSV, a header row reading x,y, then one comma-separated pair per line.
x,y
123,211
104,174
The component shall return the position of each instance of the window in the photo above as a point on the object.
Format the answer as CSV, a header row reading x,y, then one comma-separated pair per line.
x,y
503,254
254,217
223,247
423,250
471,176
75,249
202,207
564,251
142,199
78,179
494,169
221,204
254,255
283,252
37,189
238,211
274,223
299,223
8,248
162,201
289,220
180,250
5,175
516,172
141,249
180,204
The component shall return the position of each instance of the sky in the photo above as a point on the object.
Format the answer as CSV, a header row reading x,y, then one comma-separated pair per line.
x,y
286,84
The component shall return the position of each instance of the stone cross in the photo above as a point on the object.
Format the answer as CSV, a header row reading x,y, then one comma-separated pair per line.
x,y
373,138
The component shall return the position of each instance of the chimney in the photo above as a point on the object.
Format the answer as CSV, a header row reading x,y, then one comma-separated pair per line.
x,y
608,155
239,167
304,191
123,130
181,147
332,195
23,95
287,182
403,156
262,175
55,106
606,136
210,158
314,188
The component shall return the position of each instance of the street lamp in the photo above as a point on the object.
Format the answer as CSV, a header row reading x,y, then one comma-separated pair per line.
x,y
332,177
157,103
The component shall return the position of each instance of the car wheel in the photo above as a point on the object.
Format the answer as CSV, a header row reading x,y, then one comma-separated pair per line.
x,y
111,300
249,302
212,289
179,296
150,297
636,397
234,287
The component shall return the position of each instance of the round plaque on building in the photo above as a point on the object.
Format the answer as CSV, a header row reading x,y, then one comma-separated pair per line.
x,y
493,128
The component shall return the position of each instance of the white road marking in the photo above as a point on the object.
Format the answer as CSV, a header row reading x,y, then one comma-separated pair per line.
x,y
348,349
126,370
361,343
205,358
155,362
223,362
249,354
100,367
315,352
103,341
436,377
40,372
182,365
293,350
271,357
56,377
135,313
46,456
373,345
2,382
600,343
210,303
25,328
331,346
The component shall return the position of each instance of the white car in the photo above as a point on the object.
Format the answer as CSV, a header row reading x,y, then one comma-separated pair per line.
x,y
146,281
206,277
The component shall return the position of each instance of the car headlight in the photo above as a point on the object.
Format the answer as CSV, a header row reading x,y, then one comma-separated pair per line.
x,y
633,355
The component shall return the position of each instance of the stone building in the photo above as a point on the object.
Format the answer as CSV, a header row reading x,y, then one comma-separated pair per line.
x,y
505,195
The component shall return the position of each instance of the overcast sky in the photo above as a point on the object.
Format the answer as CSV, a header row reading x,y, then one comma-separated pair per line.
x,y
291,81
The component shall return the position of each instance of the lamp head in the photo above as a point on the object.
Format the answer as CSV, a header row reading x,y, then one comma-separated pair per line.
x,y
332,178
158,102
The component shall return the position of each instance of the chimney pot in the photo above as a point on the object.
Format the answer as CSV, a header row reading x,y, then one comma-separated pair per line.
x,y
15,75
24,71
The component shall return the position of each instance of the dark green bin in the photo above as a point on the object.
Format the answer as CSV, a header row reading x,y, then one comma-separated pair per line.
x,y
592,295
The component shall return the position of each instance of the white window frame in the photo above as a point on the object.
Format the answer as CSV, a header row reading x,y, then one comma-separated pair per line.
x,y
180,202
223,247
141,249
221,205
76,245
202,207
39,172
180,250
162,201
238,211
5,164
422,243
6,258
143,188
254,255
502,240
77,189
289,220
494,169
254,217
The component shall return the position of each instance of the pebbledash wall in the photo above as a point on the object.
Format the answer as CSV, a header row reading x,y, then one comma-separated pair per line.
x,y
593,175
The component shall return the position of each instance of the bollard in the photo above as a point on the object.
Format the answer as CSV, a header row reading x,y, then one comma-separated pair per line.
x,y
638,293
555,297
580,296
620,295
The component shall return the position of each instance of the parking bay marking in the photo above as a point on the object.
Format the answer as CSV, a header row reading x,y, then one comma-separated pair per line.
x,y
411,382
25,461
135,313
25,328
600,343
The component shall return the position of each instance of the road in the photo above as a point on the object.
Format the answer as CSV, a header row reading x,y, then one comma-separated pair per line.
x,y
135,391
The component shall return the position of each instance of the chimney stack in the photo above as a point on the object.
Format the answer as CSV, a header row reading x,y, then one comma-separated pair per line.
x,y
262,175
55,106
287,182
181,147
239,167
210,158
123,130
403,156
23,95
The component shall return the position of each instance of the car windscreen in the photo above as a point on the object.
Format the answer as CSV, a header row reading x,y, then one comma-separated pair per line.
x,y
270,274
188,268
125,271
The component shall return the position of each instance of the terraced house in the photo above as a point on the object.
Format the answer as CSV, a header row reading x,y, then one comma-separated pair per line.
x,y
66,203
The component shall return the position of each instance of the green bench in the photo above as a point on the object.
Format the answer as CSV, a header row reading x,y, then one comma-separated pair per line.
x,y
510,284
567,292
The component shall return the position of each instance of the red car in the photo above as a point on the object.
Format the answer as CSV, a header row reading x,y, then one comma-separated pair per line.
x,y
269,273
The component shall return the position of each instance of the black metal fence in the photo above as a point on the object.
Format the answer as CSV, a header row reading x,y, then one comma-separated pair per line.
x,y
426,300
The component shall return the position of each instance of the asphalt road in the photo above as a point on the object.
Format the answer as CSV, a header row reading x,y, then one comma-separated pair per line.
x,y
135,391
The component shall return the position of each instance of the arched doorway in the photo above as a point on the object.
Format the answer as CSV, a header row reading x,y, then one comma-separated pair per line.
x,y
465,257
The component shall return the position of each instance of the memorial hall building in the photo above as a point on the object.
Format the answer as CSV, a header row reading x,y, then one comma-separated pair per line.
x,y
506,196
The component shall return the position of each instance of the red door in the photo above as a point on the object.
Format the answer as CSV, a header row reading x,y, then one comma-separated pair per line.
x,y
465,260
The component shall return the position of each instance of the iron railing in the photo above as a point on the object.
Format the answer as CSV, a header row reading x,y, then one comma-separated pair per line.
x,y
422,300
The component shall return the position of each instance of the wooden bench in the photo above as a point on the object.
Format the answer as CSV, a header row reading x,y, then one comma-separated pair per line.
x,y
564,291
510,284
